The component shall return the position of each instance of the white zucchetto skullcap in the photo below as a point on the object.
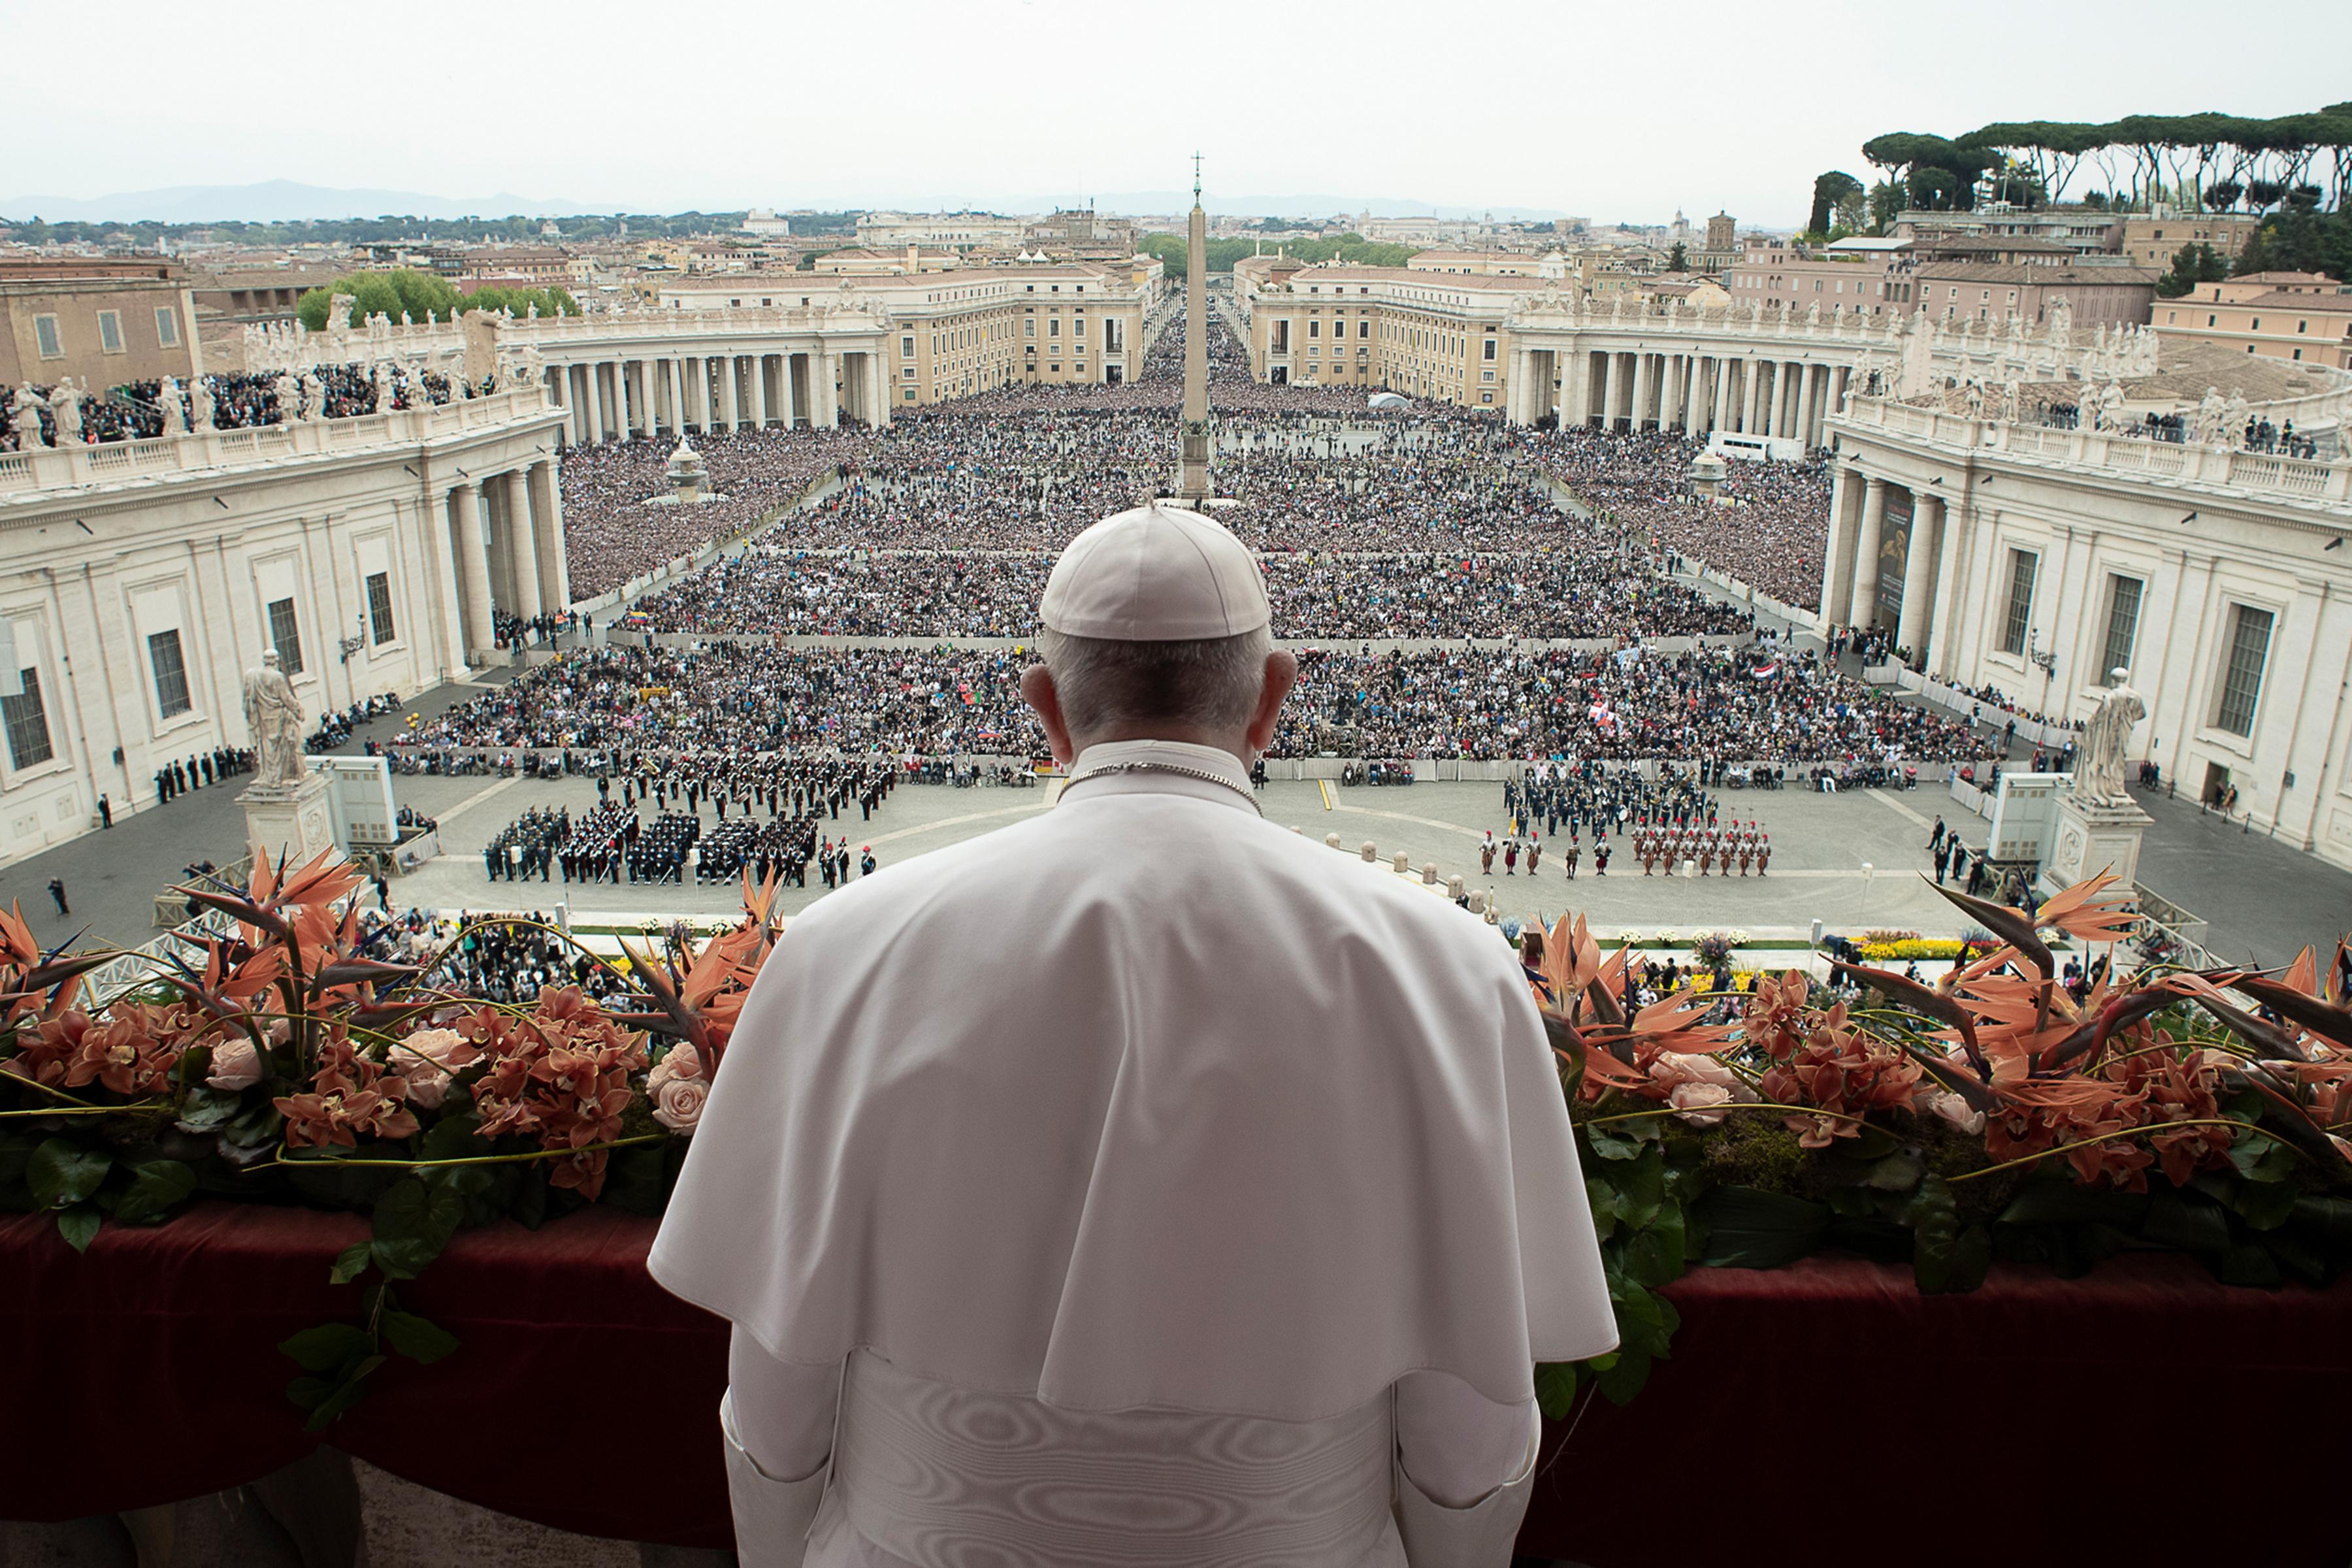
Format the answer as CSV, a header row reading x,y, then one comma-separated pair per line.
x,y
1159,574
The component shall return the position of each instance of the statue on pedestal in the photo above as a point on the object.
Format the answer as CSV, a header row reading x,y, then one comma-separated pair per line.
x,y
64,406
2099,771
273,716
176,412
2234,415
2210,416
25,416
200,404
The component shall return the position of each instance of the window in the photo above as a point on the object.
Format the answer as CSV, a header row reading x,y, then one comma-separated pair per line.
x,y
2242,679
907,347
286,635
1054,328
2021,566
379,595
171,673
28,724
1490,349
45,335
1029,328
167,326
2123,625
109,331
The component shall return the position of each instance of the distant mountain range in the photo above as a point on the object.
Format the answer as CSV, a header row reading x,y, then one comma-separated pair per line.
x,y
285,201
273,201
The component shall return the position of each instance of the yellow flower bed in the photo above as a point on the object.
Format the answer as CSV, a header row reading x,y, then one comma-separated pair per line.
x,y
1912,948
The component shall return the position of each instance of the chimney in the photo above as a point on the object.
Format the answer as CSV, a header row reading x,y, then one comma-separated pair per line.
x,y
914,259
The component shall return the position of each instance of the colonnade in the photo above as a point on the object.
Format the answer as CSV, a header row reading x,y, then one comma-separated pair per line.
x,y
1875,524
510,553
649,395
1687,390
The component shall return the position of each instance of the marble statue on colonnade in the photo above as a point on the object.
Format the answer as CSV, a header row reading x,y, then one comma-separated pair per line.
x,y
2212,415
65,408
200,404
273,715
2106,740
2234,415
25,416
176,412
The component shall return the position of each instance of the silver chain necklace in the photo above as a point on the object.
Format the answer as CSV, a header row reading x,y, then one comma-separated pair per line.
x,y
1202,774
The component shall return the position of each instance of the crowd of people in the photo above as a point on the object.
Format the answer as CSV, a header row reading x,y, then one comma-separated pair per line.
x,y
756,707
1767,525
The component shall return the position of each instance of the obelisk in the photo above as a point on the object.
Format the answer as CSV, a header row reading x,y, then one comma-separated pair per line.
x,y
1193,476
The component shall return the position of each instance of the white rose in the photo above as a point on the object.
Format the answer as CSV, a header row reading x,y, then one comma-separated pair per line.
x,y
678,1104
235,1065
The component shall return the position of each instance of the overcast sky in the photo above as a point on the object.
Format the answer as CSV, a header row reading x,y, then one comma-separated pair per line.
x,y
1622,111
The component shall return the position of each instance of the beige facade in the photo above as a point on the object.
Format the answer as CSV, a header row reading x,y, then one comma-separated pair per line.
x,y
2153,242
101,322
1989,291
1427,334
960,231
2301,316
1773,275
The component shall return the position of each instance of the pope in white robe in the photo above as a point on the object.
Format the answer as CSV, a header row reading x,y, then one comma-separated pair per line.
x,y
1143,1184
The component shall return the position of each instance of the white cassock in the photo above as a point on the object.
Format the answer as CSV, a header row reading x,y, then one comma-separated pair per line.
x,y
1141,1183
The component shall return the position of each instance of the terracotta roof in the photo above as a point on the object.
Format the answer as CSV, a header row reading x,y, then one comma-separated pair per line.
x,y
2280,298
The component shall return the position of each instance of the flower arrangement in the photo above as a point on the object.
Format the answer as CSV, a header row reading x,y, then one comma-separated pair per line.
x,y
1989,1116
281,1060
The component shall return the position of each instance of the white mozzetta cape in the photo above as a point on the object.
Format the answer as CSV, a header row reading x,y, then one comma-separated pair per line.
x,y
1145,1101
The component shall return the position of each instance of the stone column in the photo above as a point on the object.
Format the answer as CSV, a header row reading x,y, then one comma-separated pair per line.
x,y
1645,385
1837,565
547,523
734,392
1862,610
576,395
1918,575
788,399
760,391
1749,383
522,542
1575,385
823,397
473,568
594,400
1670,394
1720,399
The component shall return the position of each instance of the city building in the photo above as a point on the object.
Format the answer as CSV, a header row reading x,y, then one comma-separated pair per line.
x,y
2036,560
102,322
371,553
764,222
1080,234
1993,291
1774,273
2086,231
2153,240
2304,316
959,231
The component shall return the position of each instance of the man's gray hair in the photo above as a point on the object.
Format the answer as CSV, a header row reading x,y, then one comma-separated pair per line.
x,y
1213,683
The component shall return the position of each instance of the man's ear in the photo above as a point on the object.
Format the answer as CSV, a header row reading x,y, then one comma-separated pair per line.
x,y
1037,691
1281,675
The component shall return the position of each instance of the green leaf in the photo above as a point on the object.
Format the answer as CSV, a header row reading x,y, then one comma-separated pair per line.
x,y
2246,1264
2266,1206
79,1225
453,1137
63,1173
2331,1217
1946,1257
414,1221
351,1263
1556,1386
1619,1141
1624,1379
345,1394
637,1181
157,1187
328,1346
2259,1158
1748,1228
2201,1228
2063,1202
204,1110
416,1338
1653,1256
1896,1172
1603,1196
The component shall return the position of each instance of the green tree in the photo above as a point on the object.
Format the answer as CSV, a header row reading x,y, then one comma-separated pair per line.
x,y
420,294
1678,258
1829,190
2193,265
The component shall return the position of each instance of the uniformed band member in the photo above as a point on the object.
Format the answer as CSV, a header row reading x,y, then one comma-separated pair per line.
x,y
1072,1206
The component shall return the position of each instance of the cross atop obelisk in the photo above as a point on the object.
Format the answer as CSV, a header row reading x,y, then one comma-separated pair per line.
x,y
1192,475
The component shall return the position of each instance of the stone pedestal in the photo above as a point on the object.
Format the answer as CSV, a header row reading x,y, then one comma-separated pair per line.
x,y
292,820
2087,838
